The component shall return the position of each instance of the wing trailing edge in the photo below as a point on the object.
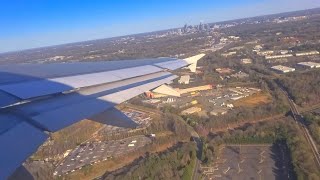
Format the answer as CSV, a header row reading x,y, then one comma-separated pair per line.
x,y
39,98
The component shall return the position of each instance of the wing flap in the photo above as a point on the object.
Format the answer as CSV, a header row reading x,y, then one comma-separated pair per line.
x,y
64,113
53,96
114,117
172,65
18,143
45,87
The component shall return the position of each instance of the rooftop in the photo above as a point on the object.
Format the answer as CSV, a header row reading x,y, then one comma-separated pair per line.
x,y
283,69
310,64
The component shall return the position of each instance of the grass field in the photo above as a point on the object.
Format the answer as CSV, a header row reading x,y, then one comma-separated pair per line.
x,y
254,100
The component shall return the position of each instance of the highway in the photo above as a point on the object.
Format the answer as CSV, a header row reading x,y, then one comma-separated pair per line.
x,y
300,120
197,140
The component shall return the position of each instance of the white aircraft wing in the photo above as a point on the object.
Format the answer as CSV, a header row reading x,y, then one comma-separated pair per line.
x,y
39,98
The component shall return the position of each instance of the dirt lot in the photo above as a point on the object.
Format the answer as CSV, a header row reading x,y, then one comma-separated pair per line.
x,y
254,100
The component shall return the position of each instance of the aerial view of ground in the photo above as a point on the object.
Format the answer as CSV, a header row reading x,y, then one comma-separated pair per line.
x,y
251,162
231,100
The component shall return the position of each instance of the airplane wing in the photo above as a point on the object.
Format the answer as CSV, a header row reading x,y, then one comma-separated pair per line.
x,y
39,98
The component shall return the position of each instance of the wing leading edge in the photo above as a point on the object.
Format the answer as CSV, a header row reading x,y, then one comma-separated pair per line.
x,y
36,99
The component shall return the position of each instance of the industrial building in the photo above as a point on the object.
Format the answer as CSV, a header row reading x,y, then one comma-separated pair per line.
x,y
284,52
279,56
224,70
265,53
246,61
258,47
194,89
309,64
165,90
170,100
234,37
309,53
229,54
184,79
217,112
191,110
240,75
283,69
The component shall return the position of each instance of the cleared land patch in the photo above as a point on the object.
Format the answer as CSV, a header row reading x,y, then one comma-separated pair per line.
x,y
254,100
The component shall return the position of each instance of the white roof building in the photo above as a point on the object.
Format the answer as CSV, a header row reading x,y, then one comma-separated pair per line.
x,y
217,112
265,53
246,61
309,53
184,79
191,110
278,56
309,64
229,54
283,69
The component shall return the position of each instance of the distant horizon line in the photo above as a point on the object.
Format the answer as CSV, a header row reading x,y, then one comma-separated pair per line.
x,y
126,35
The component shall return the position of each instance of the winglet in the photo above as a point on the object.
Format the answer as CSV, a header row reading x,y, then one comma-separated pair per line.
x,y
193,61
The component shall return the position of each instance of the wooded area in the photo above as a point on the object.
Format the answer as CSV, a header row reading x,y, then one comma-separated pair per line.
x,y
304,87
269,132
313,122
176,163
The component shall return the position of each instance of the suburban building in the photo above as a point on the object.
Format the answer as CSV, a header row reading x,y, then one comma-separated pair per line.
x,y
309,64
217,112
234,37
191,110
246,61
309,53
240,75
265,53
236,48
194,89
258,47
283,69
229,54
165,90
279,56
224,70
184,79
284,52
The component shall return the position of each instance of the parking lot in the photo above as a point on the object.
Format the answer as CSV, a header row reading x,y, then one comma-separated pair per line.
x,y
227,96
143,120
94,152
249,162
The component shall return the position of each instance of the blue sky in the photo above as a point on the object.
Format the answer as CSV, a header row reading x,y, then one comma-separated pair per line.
x,y
35,23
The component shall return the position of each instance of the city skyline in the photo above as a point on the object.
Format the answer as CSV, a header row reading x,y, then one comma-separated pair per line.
x,y
47,23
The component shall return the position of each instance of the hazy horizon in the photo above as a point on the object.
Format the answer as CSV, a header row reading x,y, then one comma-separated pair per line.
x,y
55,28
